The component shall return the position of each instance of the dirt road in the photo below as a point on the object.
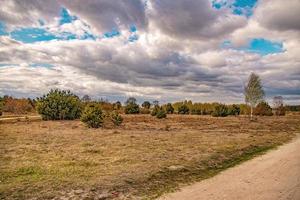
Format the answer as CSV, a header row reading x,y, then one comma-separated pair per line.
x,y
273,176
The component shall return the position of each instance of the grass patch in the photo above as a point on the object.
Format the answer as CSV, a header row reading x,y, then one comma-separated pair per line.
x,y
140,160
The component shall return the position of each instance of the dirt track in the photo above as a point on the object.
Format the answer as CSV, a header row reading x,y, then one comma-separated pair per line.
x,y
273,176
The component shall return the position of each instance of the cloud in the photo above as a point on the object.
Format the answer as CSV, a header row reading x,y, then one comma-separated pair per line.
x,y
192,19
105,15
278,15
29,12
178,54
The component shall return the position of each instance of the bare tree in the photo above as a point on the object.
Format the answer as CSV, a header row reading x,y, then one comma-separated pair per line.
x,y
254,92
278,105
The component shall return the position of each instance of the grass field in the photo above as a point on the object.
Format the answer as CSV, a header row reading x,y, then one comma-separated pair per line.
x,y
143,158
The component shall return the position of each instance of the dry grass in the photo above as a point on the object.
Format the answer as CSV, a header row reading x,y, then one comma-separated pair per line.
x,y
143,158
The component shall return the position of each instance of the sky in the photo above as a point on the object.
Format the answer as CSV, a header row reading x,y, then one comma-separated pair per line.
x,y
170,50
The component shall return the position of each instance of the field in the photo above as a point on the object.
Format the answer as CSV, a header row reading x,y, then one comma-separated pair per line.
x,y
142,158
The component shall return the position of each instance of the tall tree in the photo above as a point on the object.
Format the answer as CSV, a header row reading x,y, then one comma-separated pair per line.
x,y
254,92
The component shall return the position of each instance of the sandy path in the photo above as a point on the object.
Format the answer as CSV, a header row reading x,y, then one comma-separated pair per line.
x,y
275,175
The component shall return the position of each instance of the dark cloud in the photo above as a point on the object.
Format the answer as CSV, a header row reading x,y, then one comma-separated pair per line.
x,y
193,19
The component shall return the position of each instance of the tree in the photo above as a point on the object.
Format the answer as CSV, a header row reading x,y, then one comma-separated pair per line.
x,y
59,105
263,109
117,105
161,113
220,110
131,106
146,104
169,108
278,105
254,92
86,98
183,109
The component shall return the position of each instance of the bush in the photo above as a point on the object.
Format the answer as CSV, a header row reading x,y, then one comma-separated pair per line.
x,y
220,110
116,118
131,106
196,111
92,116
155,110
17,106
234,110
146,104
161,113
169,108
183,109
280,111
59,105
263,109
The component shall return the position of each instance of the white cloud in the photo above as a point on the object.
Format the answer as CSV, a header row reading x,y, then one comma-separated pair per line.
x,y
178,54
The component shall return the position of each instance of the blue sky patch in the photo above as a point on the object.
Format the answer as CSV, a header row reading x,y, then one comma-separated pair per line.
x,y
111,34
65,17
257,45
238,7
264,47
133,29
133,38
2,29
46,65
30,35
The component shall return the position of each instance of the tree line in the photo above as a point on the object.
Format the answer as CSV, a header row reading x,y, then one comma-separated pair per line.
x,y
64,105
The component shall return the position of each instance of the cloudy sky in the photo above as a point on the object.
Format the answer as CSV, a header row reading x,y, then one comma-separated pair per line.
x,y
168,50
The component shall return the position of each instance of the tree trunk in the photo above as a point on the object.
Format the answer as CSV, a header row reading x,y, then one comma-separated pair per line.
x,y
251,113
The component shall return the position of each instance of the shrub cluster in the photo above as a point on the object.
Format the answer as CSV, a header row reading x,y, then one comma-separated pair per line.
x,y
92,116
116,118
263,109
221,110
59,105
17,106
183,109
131,106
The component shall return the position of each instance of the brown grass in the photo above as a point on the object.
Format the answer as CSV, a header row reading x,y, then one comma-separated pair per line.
x,y
143,158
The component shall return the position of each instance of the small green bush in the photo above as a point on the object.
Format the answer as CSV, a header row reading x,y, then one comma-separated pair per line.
x,y
59,105
183,109
131,106
155,110
169,108
161,113
234,110
92,116
116,118
220,110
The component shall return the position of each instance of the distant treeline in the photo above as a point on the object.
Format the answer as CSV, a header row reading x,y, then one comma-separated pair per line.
x,y
27,105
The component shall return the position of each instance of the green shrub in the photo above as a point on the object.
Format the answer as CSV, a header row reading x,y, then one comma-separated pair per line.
x,y
169,108
92,116
116,118
131,106
196,111
161,113
220,110
183,109
263,109
155,110
146,104
234,110
59,105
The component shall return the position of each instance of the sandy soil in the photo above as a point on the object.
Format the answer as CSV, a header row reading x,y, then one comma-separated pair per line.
x,y
273,176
